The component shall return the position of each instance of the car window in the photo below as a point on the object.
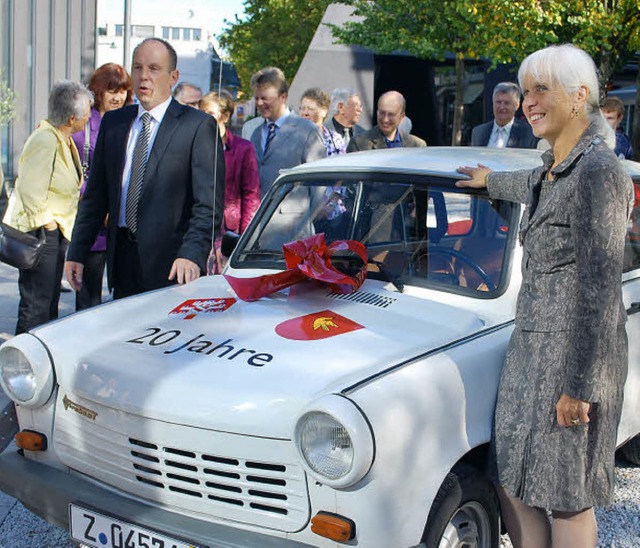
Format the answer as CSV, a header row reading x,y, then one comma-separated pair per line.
x,y
632,243
416,233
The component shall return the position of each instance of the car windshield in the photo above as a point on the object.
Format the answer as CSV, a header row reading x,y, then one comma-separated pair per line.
x,y
425,233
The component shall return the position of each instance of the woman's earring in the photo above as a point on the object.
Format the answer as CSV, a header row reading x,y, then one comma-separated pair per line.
x,y
575,112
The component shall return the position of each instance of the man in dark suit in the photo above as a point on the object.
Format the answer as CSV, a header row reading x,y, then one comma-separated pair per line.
x,y
386,134
504,130
283,139
154,174
346,108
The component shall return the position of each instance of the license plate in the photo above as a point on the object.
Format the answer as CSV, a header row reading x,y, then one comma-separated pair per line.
x,y
95,529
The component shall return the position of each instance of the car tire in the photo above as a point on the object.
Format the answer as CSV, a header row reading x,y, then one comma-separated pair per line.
x,y
465,512
630,451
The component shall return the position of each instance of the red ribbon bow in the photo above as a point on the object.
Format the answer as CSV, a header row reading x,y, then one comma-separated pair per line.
x,y
305,259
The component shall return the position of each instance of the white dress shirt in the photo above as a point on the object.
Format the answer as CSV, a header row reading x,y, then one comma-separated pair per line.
x,y
157,114
500,135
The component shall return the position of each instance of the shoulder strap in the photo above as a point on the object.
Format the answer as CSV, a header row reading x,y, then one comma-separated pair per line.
x,y
86,148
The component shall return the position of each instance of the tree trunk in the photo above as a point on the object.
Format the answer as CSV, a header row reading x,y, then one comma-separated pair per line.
x,y
458,105
635,131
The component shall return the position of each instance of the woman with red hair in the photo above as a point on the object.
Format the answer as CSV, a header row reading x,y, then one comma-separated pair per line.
x,y
111,87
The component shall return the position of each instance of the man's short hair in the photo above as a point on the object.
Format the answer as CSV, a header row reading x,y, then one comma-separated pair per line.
x,y
340,95
507,87
173,56
613,104
182,85
270,76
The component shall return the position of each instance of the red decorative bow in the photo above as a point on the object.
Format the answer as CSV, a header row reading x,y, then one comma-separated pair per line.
x,y
305,259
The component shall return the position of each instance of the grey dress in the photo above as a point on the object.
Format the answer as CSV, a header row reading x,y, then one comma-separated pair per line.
x,y
569,335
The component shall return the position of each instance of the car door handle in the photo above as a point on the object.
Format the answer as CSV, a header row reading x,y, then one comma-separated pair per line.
x,y
634,308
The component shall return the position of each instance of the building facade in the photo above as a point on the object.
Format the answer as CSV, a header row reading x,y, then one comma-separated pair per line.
x,y
41,42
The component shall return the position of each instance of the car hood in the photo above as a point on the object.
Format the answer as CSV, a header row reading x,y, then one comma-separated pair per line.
x,y
196,354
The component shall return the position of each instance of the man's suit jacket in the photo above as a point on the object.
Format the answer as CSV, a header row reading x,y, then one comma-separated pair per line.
x,y
298,141
521,135
355,130
374,139
175,211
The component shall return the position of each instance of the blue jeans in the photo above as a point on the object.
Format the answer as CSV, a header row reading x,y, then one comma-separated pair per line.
x,y
40,286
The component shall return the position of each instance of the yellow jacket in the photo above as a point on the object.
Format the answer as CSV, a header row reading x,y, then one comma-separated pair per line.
x,y
48,184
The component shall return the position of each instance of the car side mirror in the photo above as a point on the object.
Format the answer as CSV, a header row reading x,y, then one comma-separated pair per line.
x,y
229,242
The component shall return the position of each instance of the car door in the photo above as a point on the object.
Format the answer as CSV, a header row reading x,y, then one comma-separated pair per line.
x,y
630,421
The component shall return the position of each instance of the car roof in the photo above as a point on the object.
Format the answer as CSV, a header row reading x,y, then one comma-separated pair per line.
x,y
437,161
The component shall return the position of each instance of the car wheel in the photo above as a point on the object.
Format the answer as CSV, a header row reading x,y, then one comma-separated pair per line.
x,y
630,451
464,513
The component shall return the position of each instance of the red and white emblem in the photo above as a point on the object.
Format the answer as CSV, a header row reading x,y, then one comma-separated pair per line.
x,y
191,308
319,325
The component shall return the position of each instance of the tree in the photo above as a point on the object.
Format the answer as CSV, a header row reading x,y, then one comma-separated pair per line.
x,y
271,33
7,109
427,29
504,31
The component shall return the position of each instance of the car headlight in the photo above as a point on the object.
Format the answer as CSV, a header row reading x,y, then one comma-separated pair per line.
x,y
334,441
26,372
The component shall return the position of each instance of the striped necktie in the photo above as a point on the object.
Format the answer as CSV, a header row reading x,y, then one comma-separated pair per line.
x,y
270,136
138,168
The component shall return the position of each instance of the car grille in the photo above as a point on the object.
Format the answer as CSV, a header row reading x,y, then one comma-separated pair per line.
x,y
222,479
206,474
364,297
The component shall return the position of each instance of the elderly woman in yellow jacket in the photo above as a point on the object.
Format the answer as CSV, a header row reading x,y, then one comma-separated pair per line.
x,y
46,195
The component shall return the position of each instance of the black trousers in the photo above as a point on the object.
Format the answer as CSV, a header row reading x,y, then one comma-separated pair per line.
x,y
40,286
91,292
127,274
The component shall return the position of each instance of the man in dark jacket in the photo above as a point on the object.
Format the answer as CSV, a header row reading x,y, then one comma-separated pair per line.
x,y
153,175
390,113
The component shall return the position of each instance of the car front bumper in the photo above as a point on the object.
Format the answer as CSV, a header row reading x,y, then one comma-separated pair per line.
x,y
48,492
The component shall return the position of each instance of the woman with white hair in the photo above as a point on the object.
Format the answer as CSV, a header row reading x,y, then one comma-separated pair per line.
x,y
561,389
46,195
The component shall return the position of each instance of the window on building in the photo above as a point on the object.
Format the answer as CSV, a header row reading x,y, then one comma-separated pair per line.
x,y
197,34
142,31
175,33
119,30
165,33
102,31
186,34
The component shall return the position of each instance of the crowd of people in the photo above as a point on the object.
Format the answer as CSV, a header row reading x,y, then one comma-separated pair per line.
x,y
147,188
114,183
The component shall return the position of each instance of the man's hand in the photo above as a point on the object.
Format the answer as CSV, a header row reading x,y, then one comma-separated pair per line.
x,y
184,271
73,271
572,412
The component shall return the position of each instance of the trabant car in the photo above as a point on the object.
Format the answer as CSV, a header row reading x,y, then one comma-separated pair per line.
x,y
310,416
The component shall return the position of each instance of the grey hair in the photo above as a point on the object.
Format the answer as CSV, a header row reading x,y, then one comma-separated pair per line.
x,y
507,87
177,91
67,99
340,95
569,67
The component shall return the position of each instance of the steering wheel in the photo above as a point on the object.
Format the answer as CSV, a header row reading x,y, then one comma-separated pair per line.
x,y
454,253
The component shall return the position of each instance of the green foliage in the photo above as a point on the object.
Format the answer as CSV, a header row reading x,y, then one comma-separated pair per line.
x,y
7,101
271,33
500,30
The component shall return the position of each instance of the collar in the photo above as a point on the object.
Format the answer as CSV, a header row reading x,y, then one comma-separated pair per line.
x,y
508,126
280,120
157,112
229,138
339,127
587,140
397,140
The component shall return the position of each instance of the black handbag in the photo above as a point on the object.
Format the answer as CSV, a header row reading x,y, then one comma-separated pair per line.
x,y
21,249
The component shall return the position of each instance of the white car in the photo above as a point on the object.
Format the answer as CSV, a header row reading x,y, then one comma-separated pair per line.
x,y
187,417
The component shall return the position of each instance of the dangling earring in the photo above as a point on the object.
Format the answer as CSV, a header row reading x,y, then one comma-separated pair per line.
x,y
575,112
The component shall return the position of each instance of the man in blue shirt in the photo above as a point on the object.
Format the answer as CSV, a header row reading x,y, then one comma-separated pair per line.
x,y
390,113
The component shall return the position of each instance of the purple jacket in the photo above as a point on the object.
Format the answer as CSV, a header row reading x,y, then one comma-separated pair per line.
x,y
242,183
78,138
